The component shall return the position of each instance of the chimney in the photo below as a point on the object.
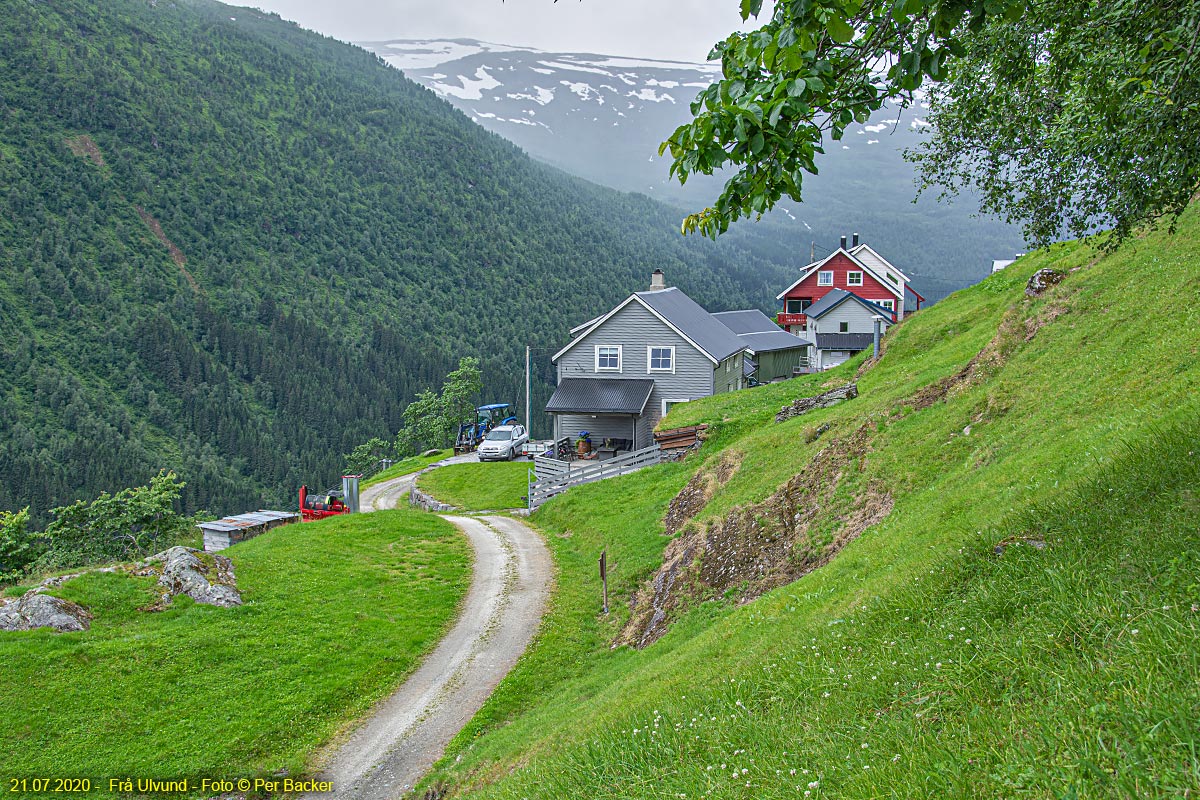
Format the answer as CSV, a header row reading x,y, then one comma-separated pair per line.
x,y
843,242
656,281
856,238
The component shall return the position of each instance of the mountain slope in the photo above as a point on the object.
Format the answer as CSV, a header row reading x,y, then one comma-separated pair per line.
x,y
236,249
979,578
603,117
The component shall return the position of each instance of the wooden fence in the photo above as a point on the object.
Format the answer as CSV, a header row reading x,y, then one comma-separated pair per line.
x,y
552,476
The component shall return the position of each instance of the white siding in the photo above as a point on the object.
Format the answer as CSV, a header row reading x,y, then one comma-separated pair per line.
x,y
859,319
881,269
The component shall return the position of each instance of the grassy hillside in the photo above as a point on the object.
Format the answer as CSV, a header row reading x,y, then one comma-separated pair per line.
x,y
1012,603
236,249
336,614
480,487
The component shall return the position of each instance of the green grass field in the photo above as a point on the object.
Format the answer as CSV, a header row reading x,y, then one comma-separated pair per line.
x,y
336,614
919,662
490,486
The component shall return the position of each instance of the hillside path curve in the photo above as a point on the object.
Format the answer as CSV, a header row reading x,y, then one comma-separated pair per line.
x,y
406,733
394,492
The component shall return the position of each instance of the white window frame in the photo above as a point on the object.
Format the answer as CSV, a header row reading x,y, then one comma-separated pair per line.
x,y
600,347
890,305
825,277
892,278
650,348
667,401
851,275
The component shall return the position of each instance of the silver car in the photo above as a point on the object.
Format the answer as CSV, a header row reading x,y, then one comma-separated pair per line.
x,y
503,443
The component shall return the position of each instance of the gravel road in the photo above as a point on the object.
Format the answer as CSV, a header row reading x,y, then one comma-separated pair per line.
x,y
393,493
406,733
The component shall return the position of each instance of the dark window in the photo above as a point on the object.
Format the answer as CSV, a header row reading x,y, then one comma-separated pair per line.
x,y
662,359
843,327
798,305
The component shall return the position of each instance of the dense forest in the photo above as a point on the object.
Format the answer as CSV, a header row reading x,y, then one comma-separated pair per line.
x,y
236,249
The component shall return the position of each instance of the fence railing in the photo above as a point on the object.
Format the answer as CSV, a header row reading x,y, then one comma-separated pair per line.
x,y
551,476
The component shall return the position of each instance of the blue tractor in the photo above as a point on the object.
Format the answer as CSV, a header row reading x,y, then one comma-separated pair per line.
x,y
470,434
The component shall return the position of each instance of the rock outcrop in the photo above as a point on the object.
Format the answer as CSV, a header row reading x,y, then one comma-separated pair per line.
x,y
757,547
35,609
804,405
182,571
1042,280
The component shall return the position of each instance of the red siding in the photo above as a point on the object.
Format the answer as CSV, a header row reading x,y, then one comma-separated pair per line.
x,y
871,289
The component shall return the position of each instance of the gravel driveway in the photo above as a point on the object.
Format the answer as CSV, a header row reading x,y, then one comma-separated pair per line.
x,y
406,733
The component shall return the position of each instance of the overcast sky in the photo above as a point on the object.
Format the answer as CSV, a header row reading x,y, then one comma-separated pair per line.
x,y
682,30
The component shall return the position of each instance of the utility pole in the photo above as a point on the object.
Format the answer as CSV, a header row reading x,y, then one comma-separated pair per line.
x,y
527,385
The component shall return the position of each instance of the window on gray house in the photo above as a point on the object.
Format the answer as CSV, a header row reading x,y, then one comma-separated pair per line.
x,y
662,359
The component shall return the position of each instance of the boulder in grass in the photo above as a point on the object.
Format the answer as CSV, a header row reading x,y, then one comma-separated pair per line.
x,y
37,610
1042,280
183,572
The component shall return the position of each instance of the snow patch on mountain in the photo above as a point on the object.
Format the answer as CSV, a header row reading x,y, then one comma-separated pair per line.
x,y
584,90
542,97
576,68
406,54
650,95
470,89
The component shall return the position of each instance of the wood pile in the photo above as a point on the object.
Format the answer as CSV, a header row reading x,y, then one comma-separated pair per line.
x,y
680,438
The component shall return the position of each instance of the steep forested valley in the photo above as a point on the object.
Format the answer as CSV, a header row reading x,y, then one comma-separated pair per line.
x,y
236,249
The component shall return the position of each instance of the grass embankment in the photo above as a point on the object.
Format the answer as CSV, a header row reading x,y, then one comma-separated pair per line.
x,y
405,466
336,614
479,486
918,662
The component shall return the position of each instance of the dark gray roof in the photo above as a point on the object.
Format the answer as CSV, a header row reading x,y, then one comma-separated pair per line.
x,y
772,341
749,321
600,396
845,341
757,332
748,366
836,297
687,316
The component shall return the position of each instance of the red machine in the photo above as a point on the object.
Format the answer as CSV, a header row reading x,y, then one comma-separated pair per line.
x,y
331,503
319,506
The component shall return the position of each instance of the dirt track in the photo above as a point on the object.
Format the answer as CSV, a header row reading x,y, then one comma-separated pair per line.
x,y
394,493
406,733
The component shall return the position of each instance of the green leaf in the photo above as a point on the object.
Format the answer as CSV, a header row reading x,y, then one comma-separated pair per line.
x,y
839,30
751,8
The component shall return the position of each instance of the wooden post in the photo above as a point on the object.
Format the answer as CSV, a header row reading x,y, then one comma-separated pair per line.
x,y
604,576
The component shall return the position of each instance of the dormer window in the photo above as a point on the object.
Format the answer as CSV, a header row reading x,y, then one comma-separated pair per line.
x,y
854,279
825,277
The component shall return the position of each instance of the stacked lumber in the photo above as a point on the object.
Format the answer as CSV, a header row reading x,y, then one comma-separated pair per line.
x,y
680,438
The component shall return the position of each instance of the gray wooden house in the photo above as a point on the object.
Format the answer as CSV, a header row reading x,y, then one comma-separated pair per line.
x,y
842,324
772,353
625,369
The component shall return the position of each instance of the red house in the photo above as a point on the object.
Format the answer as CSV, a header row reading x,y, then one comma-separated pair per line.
x,y
857,269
